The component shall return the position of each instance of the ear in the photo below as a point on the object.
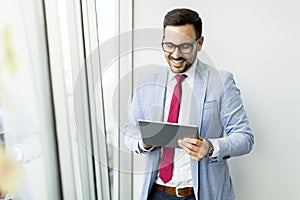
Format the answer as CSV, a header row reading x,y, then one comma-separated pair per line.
x,y
200,43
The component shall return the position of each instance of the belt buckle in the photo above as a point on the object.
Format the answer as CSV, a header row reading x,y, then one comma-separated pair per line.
x,y
177,192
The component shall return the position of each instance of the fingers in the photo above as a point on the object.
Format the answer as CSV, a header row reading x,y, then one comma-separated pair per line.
x,y
195,147
146,146
188,148
192,143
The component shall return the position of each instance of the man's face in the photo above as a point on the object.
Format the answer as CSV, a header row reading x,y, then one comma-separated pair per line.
x,y
184,35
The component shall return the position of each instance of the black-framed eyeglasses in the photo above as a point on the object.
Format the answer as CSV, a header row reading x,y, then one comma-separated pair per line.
x,y
185,48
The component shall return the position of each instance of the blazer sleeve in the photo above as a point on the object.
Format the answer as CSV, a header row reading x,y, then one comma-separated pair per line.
x,y
239,139
131,130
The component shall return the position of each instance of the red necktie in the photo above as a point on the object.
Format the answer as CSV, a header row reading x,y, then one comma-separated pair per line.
x,y
166,165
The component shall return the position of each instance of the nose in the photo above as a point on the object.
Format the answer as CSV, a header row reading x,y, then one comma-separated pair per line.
x,y
176,53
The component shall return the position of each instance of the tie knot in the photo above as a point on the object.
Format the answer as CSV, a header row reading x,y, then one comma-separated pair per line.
x,y
180,77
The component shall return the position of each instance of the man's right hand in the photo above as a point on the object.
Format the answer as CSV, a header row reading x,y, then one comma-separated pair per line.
x,y
146,146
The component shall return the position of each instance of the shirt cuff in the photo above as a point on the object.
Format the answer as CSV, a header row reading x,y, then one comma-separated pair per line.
x,y
142,147
216,146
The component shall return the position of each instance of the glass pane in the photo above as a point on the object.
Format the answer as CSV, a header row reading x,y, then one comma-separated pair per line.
x,y
26,104
115,36
107,27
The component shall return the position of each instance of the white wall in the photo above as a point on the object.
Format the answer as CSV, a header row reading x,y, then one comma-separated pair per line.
x,y
258,41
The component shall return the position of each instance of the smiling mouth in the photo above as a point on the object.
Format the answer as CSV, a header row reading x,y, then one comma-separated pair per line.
x,y
178,61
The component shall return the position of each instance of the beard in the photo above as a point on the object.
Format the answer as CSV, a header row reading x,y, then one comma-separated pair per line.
x,y
180,64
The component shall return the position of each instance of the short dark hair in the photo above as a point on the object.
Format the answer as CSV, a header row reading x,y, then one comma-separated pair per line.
x,y
182,16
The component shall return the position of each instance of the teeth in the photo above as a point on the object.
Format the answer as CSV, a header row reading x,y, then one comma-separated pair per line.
x,y
177,61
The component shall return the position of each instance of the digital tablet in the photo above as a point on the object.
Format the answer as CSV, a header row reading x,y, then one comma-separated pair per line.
x,y
164,133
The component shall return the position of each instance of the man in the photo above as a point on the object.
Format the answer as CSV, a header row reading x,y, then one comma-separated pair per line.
x,y
207,98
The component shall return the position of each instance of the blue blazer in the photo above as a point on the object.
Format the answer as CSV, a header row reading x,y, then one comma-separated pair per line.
x,y
217,110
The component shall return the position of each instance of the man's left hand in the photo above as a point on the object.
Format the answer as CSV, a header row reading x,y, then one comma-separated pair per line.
x,y
197,148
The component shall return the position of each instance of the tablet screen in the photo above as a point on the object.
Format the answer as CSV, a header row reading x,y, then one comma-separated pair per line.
x,y
164,133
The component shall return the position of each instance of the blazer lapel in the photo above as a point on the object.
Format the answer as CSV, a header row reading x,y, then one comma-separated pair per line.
x,y
159,94
198,96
